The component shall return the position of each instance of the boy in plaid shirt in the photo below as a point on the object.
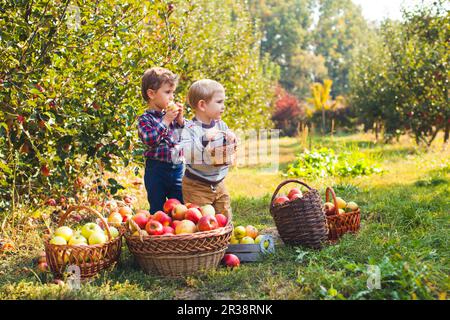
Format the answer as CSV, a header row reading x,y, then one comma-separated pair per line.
x,y
157,128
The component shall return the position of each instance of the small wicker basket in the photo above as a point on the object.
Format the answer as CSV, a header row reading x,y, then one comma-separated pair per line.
x,y
300,221
180,255
91,259
339,224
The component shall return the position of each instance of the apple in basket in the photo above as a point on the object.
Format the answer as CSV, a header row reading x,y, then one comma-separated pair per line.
x,y
114,232
329,209
89,228
168,230
141,220
179,212
185,226
64,232
208,210
125,210
295,193
154,228
97,237
191,205
352,206
231,260
207,223
193,214
341,203
163,218
77,239
115,218
170,204
280,200
221,219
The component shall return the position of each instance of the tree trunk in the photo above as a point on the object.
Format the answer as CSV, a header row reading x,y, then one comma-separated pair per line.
x,y
332,126
323,121
376,131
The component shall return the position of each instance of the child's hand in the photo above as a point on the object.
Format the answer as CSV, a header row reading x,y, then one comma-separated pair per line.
x,y
169,117
180,117
231,137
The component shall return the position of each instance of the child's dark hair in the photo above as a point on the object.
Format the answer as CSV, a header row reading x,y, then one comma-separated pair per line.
x,y
154,78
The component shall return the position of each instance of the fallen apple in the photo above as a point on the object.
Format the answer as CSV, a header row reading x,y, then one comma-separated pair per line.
x,y
43,267
231,260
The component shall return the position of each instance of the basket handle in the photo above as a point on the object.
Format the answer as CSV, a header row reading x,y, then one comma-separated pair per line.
x,y
93,211
283,184
333,195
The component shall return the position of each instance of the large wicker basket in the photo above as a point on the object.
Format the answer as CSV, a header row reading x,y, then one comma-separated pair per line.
x,y
339,224
182,254
91,259
300,221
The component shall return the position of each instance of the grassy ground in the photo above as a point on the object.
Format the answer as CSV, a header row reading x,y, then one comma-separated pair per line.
x,y
404,232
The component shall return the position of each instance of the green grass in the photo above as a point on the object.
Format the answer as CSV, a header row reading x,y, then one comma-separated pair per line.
x,y
404,231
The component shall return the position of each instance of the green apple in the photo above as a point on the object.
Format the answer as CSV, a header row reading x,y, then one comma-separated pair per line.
x,y
90,228
114,232
233,240
352,206
97,237
64,232
239,232
58,241
259,239
77,239
247,240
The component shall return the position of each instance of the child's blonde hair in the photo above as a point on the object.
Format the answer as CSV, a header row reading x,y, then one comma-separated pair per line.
x,y
203,90
154,78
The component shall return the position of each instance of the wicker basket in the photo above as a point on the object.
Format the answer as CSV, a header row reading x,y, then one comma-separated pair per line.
x,y
300,221
180,255
91,259
338,224
224,154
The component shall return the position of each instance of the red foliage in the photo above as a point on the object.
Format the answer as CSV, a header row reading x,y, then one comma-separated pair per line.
x,y
287,106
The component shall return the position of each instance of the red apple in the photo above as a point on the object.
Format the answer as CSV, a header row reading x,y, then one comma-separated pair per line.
x,y
207,223
193,214
175,223
230,260
154,228
185,226
294,191
280,200
295,196
163,218
145,212
126,217
45,171
179,212
221,219
141,220
191,205
125,210
51,202
169,205
168,230
208,210
329,209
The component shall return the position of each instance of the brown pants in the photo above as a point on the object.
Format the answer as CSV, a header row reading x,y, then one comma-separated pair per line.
x,y
200,193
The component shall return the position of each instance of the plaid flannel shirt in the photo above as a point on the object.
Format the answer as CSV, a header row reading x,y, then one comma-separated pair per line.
x,y
162,142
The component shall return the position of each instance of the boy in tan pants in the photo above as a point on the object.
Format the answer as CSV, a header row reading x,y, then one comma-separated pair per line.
x,y
203,182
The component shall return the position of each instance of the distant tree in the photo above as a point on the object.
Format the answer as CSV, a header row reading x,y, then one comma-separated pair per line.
x,y
288,113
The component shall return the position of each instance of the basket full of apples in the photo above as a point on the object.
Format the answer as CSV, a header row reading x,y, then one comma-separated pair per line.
x,y
298,217
91,248
341,216
182,239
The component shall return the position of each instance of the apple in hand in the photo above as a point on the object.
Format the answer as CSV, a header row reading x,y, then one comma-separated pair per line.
x,y
179,212
280,200
163,218
193,214
185,226
231,260
154,228
97,237
77,239
207,223
89,228
221,219
208,210
64,232
170,204
141,220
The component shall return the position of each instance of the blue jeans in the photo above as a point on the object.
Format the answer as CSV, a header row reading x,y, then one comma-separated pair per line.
x,y
162,180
